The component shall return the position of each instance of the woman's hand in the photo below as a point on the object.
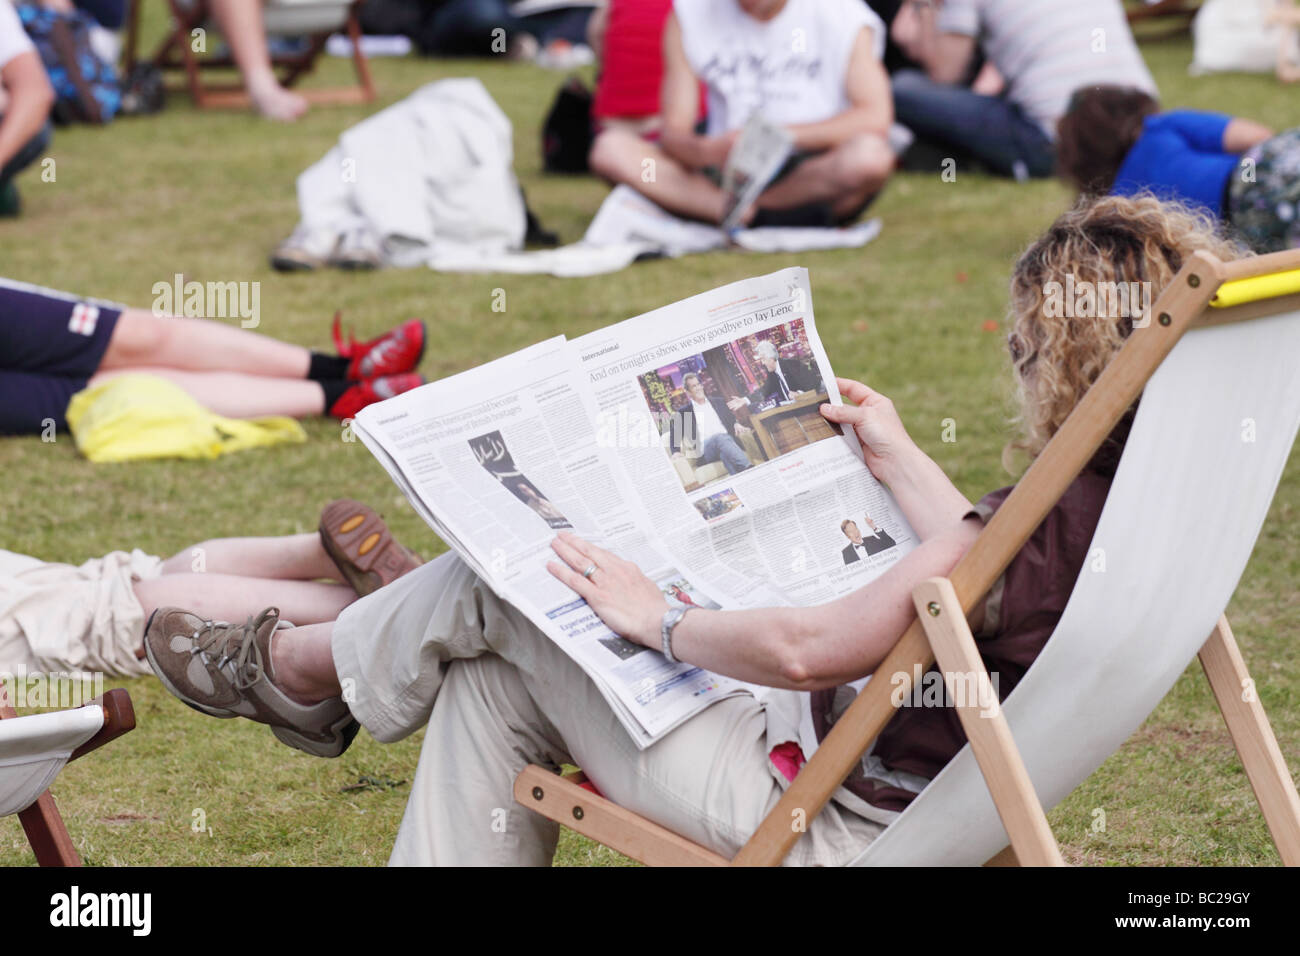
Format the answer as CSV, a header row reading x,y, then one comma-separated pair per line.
x,y
885,442
629,603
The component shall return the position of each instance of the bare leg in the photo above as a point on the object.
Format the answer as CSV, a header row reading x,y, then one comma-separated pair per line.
x,y
623,157
141,338
229,597
291,557
239,396
304,663
845,176
241,23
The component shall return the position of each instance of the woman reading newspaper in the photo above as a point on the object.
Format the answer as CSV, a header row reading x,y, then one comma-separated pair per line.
x,y
438,647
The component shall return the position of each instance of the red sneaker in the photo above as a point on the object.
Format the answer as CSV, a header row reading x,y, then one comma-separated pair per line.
x,y
392,353
376,390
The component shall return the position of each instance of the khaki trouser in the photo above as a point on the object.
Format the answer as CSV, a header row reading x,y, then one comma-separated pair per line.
x,y
439,647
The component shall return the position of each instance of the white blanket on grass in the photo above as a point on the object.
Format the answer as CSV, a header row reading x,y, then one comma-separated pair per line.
x,y
628,227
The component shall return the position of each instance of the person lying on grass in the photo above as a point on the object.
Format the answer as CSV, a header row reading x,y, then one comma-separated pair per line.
x,y
92,616
1115,139
439,648
53,345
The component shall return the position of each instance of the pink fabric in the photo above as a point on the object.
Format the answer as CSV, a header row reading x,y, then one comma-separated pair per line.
x,y
632,65
787,758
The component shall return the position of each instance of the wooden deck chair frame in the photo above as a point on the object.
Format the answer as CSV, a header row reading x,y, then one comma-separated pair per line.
x,y
46,832
1165,11
1241,290
175,52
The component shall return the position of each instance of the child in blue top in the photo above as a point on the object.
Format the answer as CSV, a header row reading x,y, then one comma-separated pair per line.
x,y
1114,139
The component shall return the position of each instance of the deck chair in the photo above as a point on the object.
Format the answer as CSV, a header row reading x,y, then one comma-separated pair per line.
x,y
34,748
314,19
1216,369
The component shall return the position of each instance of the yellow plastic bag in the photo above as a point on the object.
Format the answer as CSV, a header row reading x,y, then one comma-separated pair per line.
x,y
143,416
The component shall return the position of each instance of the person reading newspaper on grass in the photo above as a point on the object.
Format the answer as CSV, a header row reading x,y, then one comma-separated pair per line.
x,y
439,647
811,67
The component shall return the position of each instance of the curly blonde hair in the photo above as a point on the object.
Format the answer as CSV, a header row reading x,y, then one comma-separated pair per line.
x,y
1100,244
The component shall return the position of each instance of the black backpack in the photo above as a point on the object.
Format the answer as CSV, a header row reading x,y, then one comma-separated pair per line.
x,y
567,132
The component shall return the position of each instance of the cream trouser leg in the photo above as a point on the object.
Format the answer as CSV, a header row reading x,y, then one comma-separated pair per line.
x,y
438,646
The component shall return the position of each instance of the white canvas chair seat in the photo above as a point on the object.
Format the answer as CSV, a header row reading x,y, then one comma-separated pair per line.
x,y
294,17
300,17
33,749
1177,530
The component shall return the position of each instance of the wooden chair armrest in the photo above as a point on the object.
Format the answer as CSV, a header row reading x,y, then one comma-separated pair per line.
x,y
119,718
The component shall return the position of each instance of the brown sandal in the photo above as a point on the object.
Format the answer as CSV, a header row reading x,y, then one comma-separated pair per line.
x,y
359,542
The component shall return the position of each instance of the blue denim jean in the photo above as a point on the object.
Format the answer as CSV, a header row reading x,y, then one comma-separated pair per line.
x,y
27,155
465,27
990,129
724,448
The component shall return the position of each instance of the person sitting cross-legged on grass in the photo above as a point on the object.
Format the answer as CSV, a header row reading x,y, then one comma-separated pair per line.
x,y
438,647
811,66
53,345
1042,50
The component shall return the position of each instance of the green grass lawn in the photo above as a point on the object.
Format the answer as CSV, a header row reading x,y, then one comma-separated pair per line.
x,y
208,195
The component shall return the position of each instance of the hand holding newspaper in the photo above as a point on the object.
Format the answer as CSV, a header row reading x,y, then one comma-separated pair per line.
x,y
688,440
756,157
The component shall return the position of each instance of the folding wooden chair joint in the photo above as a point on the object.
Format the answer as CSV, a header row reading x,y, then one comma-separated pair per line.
x,y
564,801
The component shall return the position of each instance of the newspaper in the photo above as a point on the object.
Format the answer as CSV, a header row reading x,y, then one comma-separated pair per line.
x,y
758,154
687,440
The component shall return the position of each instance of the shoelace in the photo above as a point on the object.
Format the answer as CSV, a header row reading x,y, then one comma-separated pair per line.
x,y
336,330
221,637
379,352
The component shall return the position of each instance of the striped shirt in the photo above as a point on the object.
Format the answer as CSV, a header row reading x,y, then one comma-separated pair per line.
x,y
1047,49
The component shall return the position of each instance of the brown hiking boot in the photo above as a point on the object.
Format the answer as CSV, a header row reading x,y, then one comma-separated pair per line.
x,y
359,542
224,670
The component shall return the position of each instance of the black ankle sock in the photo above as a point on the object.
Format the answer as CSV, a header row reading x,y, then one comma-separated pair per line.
x,y
333,389
324,368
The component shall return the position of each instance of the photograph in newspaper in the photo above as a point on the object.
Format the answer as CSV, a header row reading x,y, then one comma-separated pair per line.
x,y
492,454
745,481
860,547
728,408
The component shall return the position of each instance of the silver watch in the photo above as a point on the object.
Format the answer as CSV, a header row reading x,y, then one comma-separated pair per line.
x,y
672,617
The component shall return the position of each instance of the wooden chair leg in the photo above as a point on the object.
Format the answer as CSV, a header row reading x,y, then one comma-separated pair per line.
x,y
985,725
359,61
184,48
1253,737
130,49
47,833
